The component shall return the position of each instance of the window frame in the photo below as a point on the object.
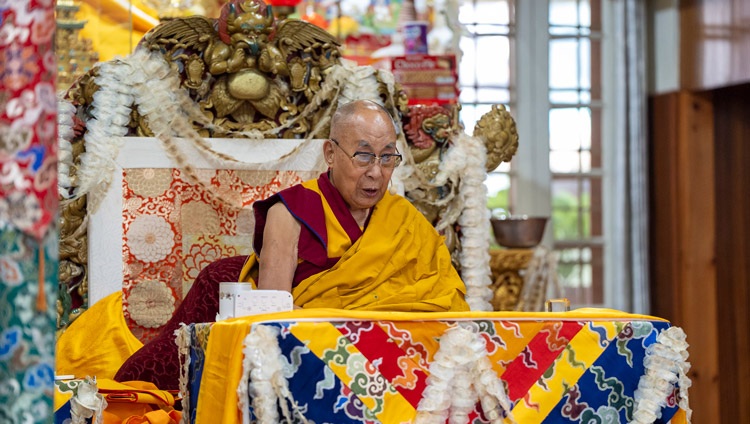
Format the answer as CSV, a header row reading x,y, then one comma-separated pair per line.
x,y
529,98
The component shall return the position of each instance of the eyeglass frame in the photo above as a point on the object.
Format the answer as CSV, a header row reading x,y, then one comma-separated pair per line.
x,y
373,157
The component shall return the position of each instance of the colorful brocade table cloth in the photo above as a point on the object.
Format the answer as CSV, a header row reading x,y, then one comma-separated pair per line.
x,y
367,367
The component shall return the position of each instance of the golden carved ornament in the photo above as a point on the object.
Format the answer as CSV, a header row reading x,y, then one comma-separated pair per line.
x,y
245,70
498,130
507,282
73,259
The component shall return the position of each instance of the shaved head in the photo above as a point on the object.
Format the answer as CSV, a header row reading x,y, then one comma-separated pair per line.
x,y
347,114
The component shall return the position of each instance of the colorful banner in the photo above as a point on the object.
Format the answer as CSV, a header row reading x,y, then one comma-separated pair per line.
x,y
28,208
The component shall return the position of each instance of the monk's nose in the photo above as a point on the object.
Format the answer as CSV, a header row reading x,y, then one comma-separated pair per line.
x,y
375,170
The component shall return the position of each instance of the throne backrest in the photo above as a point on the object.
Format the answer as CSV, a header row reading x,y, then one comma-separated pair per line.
x,y
156,228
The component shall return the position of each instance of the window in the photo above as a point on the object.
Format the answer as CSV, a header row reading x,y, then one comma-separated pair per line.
x,y
551,80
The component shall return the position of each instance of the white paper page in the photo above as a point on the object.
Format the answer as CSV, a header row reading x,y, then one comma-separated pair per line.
x,y
255,302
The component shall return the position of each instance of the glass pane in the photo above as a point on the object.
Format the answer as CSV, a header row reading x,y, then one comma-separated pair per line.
x,y
565,209
585,217
493,95
584,126
585,161
498,187
570,255
586,254
569,128
564,161
584,13
586,275
563,12
467,66
493,60
569,273
468,95
493,12
565,129
585,193
470,114
584,79
577,276
563,65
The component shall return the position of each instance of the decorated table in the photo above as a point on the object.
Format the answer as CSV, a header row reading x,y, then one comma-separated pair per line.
x,y
367,367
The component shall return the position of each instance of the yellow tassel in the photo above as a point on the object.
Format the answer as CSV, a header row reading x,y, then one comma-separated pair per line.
x,y
41,298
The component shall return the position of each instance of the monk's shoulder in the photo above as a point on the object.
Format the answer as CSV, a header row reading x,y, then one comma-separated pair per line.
x,y
402,205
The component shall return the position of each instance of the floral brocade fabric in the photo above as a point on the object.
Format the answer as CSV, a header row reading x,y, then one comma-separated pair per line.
x,y
173,229
28,116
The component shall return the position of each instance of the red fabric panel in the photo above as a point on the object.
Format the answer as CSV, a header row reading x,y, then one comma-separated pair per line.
x,y
526,369
157,360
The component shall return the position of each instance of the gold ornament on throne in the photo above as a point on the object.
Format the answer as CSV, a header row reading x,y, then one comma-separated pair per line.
x,y
246,70
498,130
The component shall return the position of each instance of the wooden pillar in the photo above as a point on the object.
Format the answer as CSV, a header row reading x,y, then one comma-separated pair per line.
x,y
732,129
684,236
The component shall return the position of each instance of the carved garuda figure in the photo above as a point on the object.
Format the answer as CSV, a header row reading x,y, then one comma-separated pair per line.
x,y
246,70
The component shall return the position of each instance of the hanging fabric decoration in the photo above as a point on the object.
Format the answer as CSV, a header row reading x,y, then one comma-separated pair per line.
x,y
28,208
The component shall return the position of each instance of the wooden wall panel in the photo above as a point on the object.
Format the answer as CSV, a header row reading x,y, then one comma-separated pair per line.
x,y
665,287
732,129
714,43
683,222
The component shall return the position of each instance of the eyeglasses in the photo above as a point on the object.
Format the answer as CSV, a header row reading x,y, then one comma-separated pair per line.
x,y
366,159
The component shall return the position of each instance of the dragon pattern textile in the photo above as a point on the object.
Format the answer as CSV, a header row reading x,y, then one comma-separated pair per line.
x,y
378,368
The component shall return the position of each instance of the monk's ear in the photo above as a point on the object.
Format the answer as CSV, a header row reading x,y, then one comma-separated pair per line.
x,y
328,152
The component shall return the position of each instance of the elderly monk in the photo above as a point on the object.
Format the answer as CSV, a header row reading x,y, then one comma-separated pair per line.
x,y
343,241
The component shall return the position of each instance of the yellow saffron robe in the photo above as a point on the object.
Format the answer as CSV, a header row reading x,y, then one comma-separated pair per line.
x,y
97,343
398,263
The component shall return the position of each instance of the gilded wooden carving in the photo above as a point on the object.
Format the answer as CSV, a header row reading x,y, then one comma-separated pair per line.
x,y
507,282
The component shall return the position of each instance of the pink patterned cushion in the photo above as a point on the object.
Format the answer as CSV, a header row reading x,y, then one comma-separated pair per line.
x,y
157,360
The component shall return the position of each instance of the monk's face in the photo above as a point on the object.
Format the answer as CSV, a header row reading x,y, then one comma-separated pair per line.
x,y
369,130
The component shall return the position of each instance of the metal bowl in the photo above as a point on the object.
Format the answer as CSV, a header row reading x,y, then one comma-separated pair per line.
x,y
519,232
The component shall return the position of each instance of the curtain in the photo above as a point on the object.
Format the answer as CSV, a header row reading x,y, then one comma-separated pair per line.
x,y
630,238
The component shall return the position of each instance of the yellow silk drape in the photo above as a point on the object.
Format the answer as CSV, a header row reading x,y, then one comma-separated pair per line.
x,y
98,342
